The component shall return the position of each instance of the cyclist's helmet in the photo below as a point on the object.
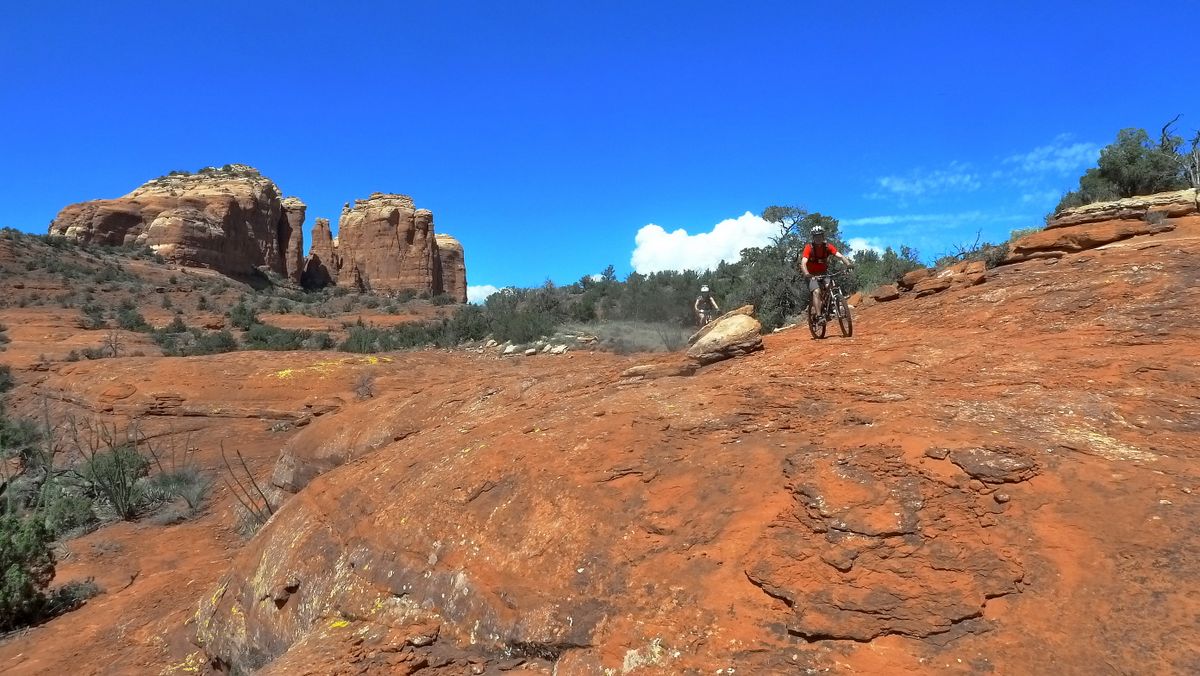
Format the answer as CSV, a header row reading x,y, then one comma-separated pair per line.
x,y
704,289
818,231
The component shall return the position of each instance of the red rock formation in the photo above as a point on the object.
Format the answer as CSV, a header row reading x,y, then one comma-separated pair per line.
x,y
233,220
291,237
386,245
450,272
1093,225
320,268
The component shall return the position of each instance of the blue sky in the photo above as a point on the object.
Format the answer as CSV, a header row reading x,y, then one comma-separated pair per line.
x,y
547,135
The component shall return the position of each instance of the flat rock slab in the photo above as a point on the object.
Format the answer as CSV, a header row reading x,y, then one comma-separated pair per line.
x,y
994,466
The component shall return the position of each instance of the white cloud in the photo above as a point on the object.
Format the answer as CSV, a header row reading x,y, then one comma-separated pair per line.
x,y
658,249
864,244
478,294
1060,157
597,277
919,182
909,219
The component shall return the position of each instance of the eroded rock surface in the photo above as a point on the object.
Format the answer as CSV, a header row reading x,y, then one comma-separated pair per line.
x,y
386,245
1094,225
232,220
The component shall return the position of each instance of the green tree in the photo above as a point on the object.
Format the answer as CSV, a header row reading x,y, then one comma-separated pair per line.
x,y
26,568
1132,165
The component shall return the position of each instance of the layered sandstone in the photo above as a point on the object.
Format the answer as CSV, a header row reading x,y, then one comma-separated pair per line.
x,y
233,220
450,272
386,245
320,268
293,233
1094,225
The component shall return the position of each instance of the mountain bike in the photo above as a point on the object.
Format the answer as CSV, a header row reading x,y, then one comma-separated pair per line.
x,y
833,306
706,317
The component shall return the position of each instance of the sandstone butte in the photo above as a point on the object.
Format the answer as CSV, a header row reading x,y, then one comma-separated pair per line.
x,y
996,478
234,220
385,244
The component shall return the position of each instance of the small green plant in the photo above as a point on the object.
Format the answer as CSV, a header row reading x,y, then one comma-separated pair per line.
x,y
93,316
130,319
28,565
6,378
114,476
242,316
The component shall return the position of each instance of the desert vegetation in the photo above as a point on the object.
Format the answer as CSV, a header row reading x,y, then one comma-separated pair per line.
x,y
1136,164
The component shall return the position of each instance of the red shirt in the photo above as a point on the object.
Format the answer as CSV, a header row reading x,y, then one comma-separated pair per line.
x,y
816,264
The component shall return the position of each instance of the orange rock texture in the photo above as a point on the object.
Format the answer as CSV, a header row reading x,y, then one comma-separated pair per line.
x,y
233,220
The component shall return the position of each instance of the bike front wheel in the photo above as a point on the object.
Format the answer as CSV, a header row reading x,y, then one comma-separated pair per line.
x,y
845,322
815,324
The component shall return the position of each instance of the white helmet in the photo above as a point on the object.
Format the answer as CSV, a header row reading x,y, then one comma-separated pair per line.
x,y
818,230
704,289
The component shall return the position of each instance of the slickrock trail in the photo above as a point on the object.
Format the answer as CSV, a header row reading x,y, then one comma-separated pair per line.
x,y
994,479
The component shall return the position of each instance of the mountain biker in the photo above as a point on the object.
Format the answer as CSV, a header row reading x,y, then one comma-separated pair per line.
x,y
705,303
813,263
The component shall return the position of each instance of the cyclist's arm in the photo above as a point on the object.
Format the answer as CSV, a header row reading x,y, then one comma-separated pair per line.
x,y
845,259
696,305
714,304
804,266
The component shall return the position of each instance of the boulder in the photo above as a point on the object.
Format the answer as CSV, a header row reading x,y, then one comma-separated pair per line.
x,y
855,299
932,285
886,293
974,268
233,220
910,279
994,466
730,335
968,279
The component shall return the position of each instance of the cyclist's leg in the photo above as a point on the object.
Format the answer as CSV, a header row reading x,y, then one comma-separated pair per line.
x,y
815,288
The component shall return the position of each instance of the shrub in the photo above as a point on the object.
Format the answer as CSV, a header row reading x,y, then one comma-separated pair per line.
x,y
114,476
28,566
6,378
319,341
130,319
70,596
64,510
242,316
189,483
266,337
442,299
93,316
364,385
19,438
